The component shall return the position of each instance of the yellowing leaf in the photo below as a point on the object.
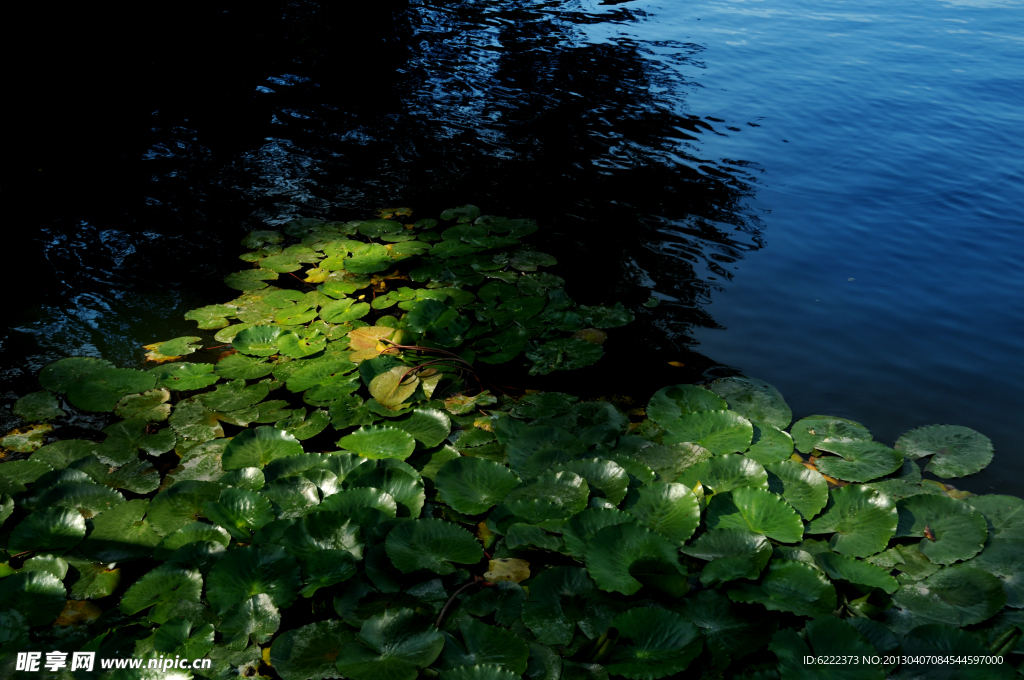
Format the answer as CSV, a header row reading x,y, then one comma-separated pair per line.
x,y
316,275
393,387
508,569
78,613
677,364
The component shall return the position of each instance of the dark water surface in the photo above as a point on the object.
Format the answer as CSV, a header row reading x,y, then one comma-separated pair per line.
x,y
823,195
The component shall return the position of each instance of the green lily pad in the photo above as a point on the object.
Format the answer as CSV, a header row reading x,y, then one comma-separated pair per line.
x,y
95,581
1005,514
792,587
56,455
260,341
184,377
404,487
240,511
234,395
807,432
179,346
51,529
181,504
190,419
669,509
755,400
88,498
553,495
191,533
349,501
863,521
669,403
244,572
805,490
959,595
529,260
580,529
725,473
719,432
770,444
958,531
731,554
613,549
393,387
256,619
212,316
605,478
862,460
394,646
243,367
937,642
606,317
125,438
955,451
566,354
829,638
100,390
484,645
428,426
259,446
121,534
757,510
474,485
431,544
59,376
150,406
653,643
839,567
250,279
15,474
379,441
37,595
309,652
162,588
38,407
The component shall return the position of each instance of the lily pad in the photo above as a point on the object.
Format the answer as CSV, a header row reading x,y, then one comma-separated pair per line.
x,y
310,652
791,587
162,588
255,619
260,341
653,643
669,403
379,441
259,446
244,572
553,495
51,529
770,444
605,478
958,531
431,544
184,377
829,638
474,485
960,595
669,509
428,426
240,511
757,510
121,534
348,501
212,316
719,432
807,432
755,400
59,376
566,354
100,390
394,646
580,529
862,460
393,387
955,451
613,550
562,598
404,487
243,367
1005,514
38,407
804,489
731,553
863,521
482,644
38,596
26,439
839,567
181,504
150,406
725,473
1004,559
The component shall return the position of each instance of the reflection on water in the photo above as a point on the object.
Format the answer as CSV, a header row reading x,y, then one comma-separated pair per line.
x,y
656,144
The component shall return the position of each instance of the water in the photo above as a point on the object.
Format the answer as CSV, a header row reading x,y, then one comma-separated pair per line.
x,y
822,195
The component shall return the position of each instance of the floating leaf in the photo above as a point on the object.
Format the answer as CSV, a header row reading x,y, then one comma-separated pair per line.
x,y
669,403
770,445
259,446
613,549
431,544
731,553
863,521
162,588
60,375
348,501
310,652
804,489
482,644
38,407
121,534
255,619
958,532
1005,514
88,498
755,400
719,432
653,643
563,355
394,645
830,638
428,426
553,495
393,387
37,595
725,473
562,598
669,509
604,477
960,595
757,510
212,316
379,441
507,569
260,341
100,390
240,511
51,529
862,573
956,451
243,367
184,377
862,460
790,586
474,485
25,439
578,531
245,572
807,432
150,406
181,504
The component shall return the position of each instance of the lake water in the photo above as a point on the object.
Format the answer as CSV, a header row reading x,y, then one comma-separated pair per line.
x,y
822,195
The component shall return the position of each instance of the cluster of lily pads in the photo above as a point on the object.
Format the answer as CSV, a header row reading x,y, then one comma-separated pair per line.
x,y
335,496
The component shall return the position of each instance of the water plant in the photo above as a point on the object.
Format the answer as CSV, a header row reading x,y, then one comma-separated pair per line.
x,y
332,488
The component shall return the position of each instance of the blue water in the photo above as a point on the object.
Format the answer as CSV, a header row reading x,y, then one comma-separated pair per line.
x,y
822,195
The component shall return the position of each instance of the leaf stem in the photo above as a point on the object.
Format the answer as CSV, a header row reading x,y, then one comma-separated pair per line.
x,y
448,604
